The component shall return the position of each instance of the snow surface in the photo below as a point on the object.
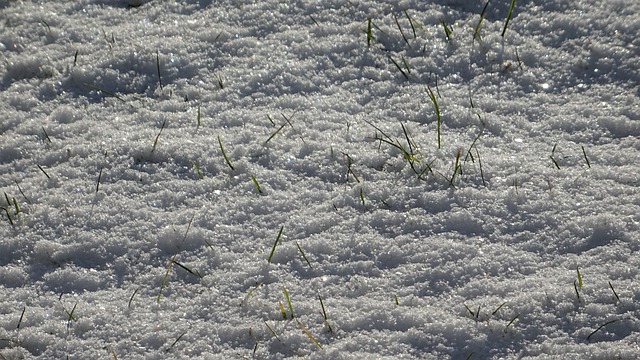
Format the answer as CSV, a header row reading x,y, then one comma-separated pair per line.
x,y
108,179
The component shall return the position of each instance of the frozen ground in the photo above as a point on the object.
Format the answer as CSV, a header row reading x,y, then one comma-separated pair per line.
x,y
516,238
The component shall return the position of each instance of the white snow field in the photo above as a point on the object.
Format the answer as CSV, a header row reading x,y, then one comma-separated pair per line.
x,y
319,179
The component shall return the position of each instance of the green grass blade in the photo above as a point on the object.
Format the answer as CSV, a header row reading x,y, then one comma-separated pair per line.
x,y
447,29
249,293
476,34
513,4
224,154
164,280
401,32
288,298
309,335
197,169
369,32
255,182
579,278
303,255
399,68
432,96
275,133
273,250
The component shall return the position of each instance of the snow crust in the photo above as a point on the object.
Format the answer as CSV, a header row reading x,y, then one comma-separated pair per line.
x,y
125,234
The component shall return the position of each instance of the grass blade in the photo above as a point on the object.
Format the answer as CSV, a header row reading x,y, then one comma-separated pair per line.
x,y
166,277
275,133
24,308
512,321
600,327
579,278
369,32
270,329
175,342
399,68
155,142
131,298
255,182
585,157
303,255
273,250
197,169
447,29
432,96
614,292
158,68
413,27
401,32
44,172
513,4
224,154
476,34
313,340
249,293
198,118
286,295
99,177
106,92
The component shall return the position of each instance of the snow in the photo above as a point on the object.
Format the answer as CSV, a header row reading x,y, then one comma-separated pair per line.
x,y
125,234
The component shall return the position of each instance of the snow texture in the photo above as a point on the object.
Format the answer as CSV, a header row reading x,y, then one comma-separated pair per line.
x,y
509,229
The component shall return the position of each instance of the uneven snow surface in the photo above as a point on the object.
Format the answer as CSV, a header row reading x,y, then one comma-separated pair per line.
x,y
151,156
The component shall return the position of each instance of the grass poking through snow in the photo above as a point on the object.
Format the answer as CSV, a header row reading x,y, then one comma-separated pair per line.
x,y
224,154
275,243
513,4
